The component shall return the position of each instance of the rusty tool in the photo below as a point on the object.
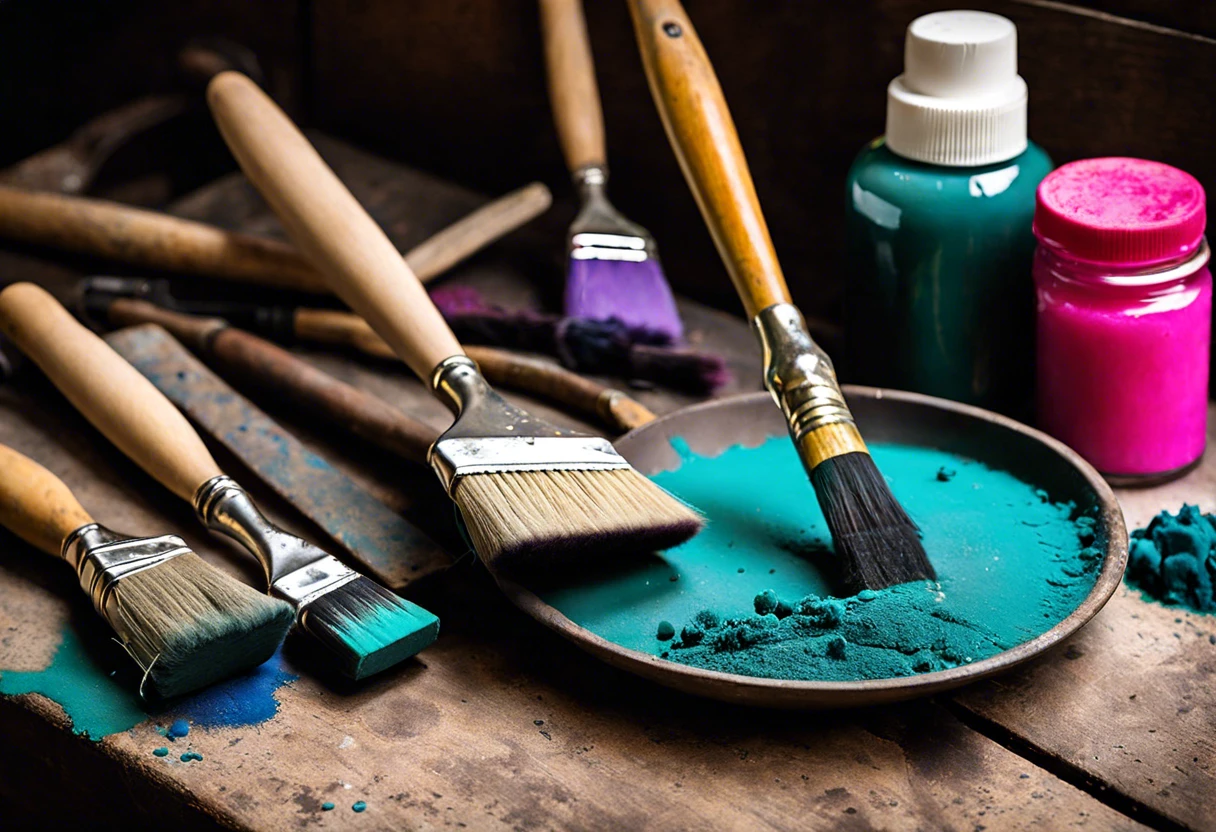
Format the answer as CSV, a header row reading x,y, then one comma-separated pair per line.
x,y
120,302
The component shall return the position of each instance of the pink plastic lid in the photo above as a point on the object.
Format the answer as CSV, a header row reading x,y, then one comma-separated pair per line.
x,y
1120,211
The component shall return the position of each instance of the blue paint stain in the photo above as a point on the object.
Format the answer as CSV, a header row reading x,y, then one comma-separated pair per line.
x,y
359,806
327,806
179,728
161,752
241,701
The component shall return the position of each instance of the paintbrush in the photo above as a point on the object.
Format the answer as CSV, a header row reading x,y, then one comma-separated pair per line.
x,y
528,492
613,268
877,542
362,627
275,371
184,622
608,348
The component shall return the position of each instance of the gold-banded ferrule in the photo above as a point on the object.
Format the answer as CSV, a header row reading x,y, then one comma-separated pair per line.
x,y
801,379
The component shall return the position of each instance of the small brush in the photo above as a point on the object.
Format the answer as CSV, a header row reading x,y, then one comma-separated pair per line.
x,y
613,269
184,622
528,492
363,627
877,542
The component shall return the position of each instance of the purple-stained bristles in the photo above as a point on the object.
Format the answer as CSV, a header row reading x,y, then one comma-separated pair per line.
x,y
635,293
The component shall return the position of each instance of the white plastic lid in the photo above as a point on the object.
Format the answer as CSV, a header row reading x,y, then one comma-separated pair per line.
x,y
960,101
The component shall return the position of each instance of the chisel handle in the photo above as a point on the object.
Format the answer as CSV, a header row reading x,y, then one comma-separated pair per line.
x,y
35,504
328,224
573,93
151,239
111,394
701,131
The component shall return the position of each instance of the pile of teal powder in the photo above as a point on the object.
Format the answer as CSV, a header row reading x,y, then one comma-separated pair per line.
x,y
753,594
1174,559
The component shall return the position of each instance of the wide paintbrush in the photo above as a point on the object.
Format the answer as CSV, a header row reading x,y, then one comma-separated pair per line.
x,y
529,492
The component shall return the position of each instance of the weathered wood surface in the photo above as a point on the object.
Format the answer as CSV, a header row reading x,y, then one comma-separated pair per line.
x,y
502,724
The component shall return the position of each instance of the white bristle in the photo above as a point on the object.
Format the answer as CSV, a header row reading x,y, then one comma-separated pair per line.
x,y
540,518
191,624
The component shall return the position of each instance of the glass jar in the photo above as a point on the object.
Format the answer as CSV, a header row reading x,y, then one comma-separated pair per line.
x,y
1124,316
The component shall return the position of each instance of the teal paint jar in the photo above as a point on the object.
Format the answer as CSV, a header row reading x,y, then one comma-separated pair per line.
x,y
939,211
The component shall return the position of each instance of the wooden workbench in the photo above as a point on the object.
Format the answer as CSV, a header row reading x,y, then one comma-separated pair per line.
x,y
501,724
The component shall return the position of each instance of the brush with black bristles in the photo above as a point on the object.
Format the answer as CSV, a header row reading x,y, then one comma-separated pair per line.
x,y
363,627
613,266
184,622
877,542
528,492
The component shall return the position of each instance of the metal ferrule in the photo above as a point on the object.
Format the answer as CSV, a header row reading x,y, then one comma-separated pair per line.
x,y
491,435
296,571
600,232
799,374
102,558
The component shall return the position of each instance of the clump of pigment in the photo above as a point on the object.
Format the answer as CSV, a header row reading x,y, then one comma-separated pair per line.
x,y
1174,560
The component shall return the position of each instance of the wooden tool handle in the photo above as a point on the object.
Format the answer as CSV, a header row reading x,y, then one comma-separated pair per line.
x,y
111,394
35,504
192,330
700,128
573,93
328,225
501,368
472,233
150,239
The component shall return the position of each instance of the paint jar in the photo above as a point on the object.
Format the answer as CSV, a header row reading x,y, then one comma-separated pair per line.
x,y
1124,316
938,222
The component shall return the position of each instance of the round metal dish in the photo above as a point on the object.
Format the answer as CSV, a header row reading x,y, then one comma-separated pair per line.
x,y
883,416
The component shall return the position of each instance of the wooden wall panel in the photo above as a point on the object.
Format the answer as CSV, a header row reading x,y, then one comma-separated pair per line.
x,y
458,88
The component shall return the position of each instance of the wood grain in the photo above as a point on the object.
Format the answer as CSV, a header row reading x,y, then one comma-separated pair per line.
x,y
120,402
573,93
702,132
328,225
35,504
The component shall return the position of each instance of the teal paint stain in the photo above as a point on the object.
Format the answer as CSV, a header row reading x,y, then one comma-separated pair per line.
x,y
327,806
1173,560
80,681
359,806
755,588
160,752
98,688
191,755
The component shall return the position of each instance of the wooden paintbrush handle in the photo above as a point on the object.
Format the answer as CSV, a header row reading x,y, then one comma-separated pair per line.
x,y
470,234
35,505
151,239
328,225
111,394
268,367
332,326
573,93
700,128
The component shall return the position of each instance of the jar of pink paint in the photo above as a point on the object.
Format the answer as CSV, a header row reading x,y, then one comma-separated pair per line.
x,y
1124,316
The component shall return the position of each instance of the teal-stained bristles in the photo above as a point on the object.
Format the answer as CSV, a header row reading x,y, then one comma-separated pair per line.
x,y
368,629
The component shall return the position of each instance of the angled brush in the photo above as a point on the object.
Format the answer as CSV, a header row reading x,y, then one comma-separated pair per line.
x,y
877,542
613,268
184,622
528,492
362,626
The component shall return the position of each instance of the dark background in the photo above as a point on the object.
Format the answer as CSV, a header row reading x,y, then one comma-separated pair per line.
x,y
456,87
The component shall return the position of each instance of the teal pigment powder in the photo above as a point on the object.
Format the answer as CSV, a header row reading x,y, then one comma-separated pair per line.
x,y
1174,560
753,593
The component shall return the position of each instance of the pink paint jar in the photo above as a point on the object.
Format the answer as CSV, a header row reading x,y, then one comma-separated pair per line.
x,y
1124,316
